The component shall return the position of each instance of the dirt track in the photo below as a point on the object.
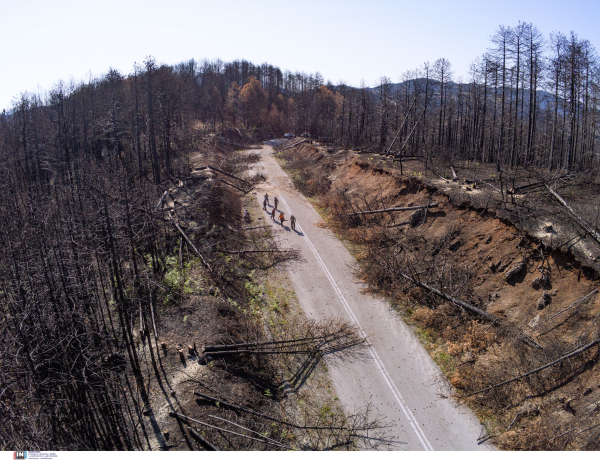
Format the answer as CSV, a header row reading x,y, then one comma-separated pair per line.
x,y
396,376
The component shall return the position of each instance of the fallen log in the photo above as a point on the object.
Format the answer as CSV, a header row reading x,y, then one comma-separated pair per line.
x,y
443,178
243,146
203,442
583,299
407,158
542,183
189,419
528,340
168,209
267,417
408,208
164,195
454,300
249,430
552,438
593,233
398,225
227,174
293,145
256,250
236,346
191,244
235,186
545,366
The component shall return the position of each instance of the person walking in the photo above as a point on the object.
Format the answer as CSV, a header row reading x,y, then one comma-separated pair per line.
x,y
276,201
267,197
265,204
293,222
281,218
273,213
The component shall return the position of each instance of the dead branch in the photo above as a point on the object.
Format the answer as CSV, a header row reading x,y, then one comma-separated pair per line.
x,y
408,208
545,366
578,218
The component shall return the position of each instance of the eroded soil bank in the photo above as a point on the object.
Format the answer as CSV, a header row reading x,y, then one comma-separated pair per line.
x,y
537,304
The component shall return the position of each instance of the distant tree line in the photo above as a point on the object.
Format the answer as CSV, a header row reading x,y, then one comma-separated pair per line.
x,y
529,100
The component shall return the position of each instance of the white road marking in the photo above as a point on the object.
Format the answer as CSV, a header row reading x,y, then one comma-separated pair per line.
x,y
405,409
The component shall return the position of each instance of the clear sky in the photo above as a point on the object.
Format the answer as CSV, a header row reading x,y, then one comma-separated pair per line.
x,y
46,41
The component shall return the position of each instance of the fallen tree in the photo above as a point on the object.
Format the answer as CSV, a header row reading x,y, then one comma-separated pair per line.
x,y
593,233
263,439
576,352
343,338
535,185
478,311
293,145
201,168
191,244
235,186
407,208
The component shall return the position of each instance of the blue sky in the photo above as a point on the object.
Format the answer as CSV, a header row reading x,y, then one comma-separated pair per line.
x,y
47,41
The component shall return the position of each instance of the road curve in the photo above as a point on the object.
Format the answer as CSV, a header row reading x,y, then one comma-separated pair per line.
x,y
396,375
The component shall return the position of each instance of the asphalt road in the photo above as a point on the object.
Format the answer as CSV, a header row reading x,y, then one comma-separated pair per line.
x,y
395,374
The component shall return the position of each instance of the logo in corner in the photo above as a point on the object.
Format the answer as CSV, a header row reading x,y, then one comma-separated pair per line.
x,y
20,454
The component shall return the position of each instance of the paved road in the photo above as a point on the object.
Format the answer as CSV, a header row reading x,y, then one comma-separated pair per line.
x,y
396,375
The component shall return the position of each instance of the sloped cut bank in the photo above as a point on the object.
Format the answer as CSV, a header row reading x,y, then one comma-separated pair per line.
x,y
539,305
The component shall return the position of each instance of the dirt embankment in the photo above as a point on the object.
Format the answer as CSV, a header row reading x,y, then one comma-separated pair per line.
x,y
539,304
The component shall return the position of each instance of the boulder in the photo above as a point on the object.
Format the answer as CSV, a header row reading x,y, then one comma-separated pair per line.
x,y
544,300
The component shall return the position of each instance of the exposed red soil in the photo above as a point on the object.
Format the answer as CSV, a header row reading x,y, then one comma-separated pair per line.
x,y
466,248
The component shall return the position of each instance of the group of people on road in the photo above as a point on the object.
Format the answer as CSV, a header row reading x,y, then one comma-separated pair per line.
x,y
274,211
